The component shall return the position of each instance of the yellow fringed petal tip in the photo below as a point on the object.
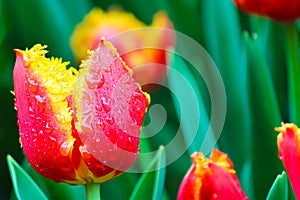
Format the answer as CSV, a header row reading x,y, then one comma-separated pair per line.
x,y
211,178
52,75
284,126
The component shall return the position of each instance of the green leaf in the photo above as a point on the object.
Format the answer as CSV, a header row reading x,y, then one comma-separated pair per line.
x,y
246,179
52,189
190,106
45,22
279,189
265,115
178,8
124,183
24,186
160,176
222,34
151,183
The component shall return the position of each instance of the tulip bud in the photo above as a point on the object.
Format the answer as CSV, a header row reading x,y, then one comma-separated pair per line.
x,y
75,126
288,141
212,178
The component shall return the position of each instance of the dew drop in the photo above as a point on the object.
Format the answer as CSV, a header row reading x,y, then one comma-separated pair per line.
x,y
39,154
33,85
98,107
100,124
100,82
106,103
91,80
86,124
48,129
110,120
30,109
130,144
65,148
52,138
107,68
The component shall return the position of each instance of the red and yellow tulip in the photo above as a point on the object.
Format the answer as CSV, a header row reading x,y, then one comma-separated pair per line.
x,y
212,178
131,38
288,142
78,126
286,11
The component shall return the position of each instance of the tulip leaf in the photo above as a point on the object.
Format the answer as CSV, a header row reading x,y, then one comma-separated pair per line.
x,y
279,189
265,116
24,186
49,17
151,183
124,183
246,179
222,41
190,106
52,189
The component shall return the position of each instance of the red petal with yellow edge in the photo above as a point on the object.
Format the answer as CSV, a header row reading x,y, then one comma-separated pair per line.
x,y
288,142
212,178
110,108
46,142
220,184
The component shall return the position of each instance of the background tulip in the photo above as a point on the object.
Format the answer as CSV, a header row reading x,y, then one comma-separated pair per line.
x,y
148,64
212,178
288,141
286,11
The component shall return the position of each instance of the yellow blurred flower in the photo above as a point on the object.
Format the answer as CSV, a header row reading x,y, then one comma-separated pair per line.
x,y
141,46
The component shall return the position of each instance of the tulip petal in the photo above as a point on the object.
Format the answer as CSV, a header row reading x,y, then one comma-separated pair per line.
x,y
110,108
288,142
43,113
212,178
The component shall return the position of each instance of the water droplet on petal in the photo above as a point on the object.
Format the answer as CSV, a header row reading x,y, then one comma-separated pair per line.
x,y
91,80
107,68
39,154
110,120
106,103
33,84
30,109
65,148
86,124
48,129
100,82
100,124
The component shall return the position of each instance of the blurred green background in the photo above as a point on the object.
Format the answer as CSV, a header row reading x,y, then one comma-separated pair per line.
x,y
248,51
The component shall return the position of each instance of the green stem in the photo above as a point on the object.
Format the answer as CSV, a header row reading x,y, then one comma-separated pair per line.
x,y
92,191
293,73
